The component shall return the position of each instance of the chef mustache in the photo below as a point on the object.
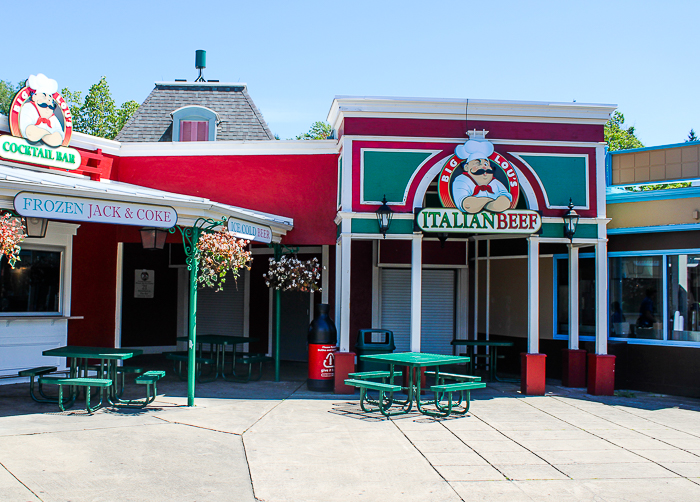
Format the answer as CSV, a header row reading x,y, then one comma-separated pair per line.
x,y
482,171
46,105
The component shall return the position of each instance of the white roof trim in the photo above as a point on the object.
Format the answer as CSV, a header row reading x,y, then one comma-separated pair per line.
x,y
229,148
451,109
15,179
200,84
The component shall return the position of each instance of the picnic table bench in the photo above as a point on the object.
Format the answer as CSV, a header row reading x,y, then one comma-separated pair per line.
x,y
249,360
103,383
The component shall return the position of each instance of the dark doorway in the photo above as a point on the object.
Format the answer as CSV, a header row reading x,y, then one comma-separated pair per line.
x,y
149,298
294,313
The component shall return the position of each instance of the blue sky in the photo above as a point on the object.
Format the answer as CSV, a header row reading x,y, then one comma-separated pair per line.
x,y
296,56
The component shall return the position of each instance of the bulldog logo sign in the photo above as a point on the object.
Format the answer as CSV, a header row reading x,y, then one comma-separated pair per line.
x,y
475,183
41,125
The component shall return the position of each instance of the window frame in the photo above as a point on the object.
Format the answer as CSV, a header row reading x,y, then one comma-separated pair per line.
x,y
664,253
62,250
194,113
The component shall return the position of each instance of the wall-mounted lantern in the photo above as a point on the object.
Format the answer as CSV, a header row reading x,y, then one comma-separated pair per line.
x,y
35,227
570,222
153,238
384,215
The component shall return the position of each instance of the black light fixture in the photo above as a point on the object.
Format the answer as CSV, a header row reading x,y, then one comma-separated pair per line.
x,y
442,237
384,215
570,222
35,227
153,238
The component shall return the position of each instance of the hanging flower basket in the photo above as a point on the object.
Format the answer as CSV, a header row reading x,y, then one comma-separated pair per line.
x,y
11,234
292,274
220,253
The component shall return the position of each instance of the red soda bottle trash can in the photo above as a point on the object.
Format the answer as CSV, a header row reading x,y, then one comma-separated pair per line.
x,y
323,338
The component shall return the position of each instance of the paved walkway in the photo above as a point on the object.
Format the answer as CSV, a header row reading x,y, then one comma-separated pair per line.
x,y
279,442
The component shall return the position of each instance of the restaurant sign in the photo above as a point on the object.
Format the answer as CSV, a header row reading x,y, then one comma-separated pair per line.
x,y
41,125
249,231
516,221
60,207
479,190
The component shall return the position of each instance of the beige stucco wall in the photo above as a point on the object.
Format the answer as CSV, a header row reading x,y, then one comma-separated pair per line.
x,y
508,305
678,163
654,212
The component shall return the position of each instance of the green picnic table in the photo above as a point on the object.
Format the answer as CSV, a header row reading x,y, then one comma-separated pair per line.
x,y
217,352
108,356
415,362
493,345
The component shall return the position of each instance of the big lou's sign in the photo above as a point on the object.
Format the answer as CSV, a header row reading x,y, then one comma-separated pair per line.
x,y
41,126
479,190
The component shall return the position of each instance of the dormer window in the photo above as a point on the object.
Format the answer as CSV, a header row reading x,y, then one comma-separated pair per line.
x,y
194,123
194,130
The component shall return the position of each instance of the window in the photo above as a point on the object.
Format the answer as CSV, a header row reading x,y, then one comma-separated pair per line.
x,y
586,291
194,123
683,296
33,285
194,130
636,295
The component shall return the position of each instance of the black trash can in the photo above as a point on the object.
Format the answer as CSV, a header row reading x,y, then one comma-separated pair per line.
x,y
383,344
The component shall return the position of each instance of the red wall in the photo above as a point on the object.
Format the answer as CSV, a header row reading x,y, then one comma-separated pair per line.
x,y
303,187
94,284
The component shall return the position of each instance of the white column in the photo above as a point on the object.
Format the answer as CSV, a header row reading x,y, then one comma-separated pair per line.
x,y
533,295
376,293
487,314
601,297
343,274
573,297
416,290
324,273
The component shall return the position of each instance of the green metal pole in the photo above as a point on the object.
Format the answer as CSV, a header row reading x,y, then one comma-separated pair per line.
x,y
278,295
191,349
277,334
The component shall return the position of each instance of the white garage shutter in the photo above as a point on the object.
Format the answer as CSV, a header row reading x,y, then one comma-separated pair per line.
x,y
438,309
438,312
396,305
221,313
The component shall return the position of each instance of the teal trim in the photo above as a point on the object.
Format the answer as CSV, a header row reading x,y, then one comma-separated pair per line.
x,y
653,252
685,227
553,170
557,230
664,194
388,173
370,226
649,148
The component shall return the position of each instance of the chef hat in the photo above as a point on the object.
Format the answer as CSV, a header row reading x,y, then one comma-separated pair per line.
x,y
42,84
474,149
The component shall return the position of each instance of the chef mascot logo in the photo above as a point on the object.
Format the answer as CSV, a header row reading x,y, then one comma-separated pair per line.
x,y
39,114
476,179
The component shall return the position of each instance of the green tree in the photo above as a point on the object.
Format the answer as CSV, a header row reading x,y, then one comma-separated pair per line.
x,y
692,137
98,114
618,137
319,130
7,92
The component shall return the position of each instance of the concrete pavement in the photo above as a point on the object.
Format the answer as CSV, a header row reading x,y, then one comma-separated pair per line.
x,y
279,442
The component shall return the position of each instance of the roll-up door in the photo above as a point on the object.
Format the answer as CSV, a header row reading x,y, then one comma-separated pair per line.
x,y
438,312
221,313
396,305
438,308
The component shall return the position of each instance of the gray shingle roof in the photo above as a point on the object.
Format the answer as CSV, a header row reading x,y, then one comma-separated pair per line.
x,y
240,118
